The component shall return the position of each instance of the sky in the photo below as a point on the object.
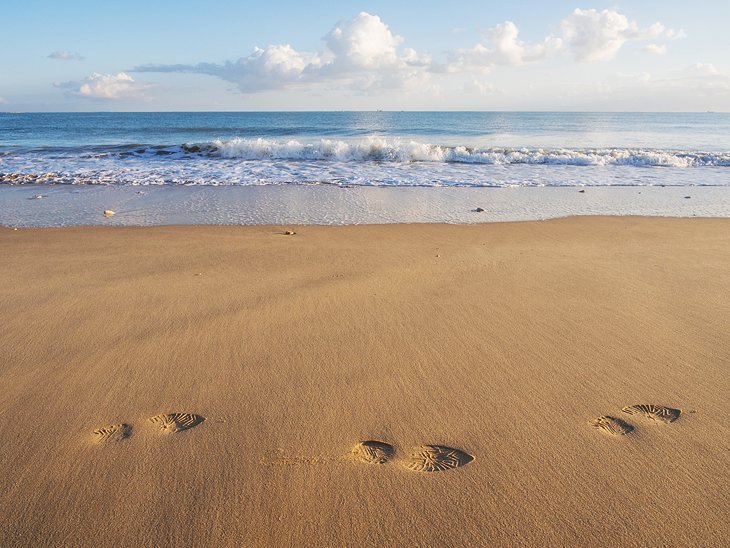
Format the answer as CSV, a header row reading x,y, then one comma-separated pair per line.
x,y
213,55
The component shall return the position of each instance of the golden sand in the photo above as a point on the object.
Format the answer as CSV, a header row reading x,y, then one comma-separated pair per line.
x,y
213,386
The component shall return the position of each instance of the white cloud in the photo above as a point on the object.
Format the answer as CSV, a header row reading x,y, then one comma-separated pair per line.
x,y
107,86
361,52
591,35
598,35
364,42
64,55
507,49
272,67
656,49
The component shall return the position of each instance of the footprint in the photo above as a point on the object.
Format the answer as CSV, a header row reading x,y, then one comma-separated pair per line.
x,y
176,422
612,425
654,412
373,452
112,433
437,458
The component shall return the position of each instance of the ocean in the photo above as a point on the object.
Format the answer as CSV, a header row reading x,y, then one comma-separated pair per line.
x,y
356,150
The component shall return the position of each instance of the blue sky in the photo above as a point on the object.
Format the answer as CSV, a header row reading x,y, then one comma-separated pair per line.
x,y
427,55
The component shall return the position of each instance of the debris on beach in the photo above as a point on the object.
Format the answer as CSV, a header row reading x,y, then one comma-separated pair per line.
x,y
687,197
289,233
582,190
108,213
479,210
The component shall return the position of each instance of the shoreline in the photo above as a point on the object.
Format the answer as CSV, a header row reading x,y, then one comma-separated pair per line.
x,y
500,342
57,205
280,228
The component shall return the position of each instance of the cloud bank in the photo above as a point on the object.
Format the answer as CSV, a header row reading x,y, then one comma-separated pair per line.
x,y
363,53
590,35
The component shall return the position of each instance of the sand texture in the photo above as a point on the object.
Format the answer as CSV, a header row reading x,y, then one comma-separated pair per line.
x,y
543,383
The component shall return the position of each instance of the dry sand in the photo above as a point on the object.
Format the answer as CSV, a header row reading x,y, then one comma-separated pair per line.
x,y
501,341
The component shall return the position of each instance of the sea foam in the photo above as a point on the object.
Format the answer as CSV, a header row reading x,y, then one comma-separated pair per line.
x,y
365,162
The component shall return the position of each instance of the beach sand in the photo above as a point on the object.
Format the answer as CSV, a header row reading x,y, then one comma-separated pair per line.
x,y
500,342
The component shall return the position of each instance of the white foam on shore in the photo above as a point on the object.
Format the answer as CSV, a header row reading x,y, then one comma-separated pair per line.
x,y
368,162
63,205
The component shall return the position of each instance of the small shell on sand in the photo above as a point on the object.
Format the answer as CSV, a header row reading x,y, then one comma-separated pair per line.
x,y
108,212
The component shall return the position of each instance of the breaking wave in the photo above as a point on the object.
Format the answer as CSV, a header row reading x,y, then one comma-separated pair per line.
x,y
392,150
374,161
414,151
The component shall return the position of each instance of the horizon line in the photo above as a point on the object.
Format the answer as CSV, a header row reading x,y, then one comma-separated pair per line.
x,y
361,111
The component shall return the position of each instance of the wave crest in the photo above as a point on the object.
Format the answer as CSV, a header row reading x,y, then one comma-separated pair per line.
x,y
414,151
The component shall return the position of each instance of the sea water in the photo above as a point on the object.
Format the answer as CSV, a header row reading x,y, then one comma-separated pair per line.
x,y
62,155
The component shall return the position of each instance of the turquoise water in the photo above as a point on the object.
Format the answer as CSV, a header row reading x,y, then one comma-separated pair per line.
x,y
478,149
